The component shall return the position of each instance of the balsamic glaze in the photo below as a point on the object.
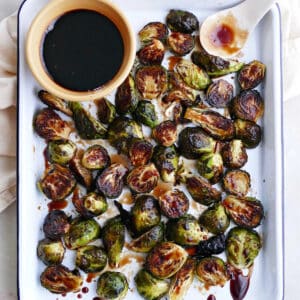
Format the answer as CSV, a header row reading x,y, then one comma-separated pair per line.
x,y
83,50
239,285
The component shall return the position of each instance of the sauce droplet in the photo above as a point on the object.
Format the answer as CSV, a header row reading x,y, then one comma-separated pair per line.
x,y
239,285
222,35
173,61
96,298
57,205
79,296
85,290
90,277
161,188
211,297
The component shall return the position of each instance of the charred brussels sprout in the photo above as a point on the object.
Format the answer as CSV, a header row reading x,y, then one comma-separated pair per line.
x,y
60,280
152,53
248,105
219,93
113,236
143,179
140,152
181,43
106,111
145,113
234,154
237,182
51,252
193,142
192,75
58,183
151,81
212,271
246,212
174,204
182,280
81,233
49,125
145,213
165,133
148,240
56,224
111,181
61,151
215,219
249,132
210,166
177,95
242,247
153,30
55,102
185,231
94,204
182,21
87,126
150,287
212,122
174,112
112,286
91,259
251,75
95,158
126,97
165,260
202,191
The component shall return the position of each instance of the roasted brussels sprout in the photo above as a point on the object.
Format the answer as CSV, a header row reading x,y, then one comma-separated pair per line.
x,y
56,224
145,213
152,53
185,231
140,152
58,183
237,182
49,125
151,81
210,166
181,43
112,286
174,112
192,75
245,212
106,111
242,247
193,142
177,95
165,260
182,21
126,97
150,287
215,219
202,191
94,204
61,151
81,233
55,102
51,252
153,30
212,271
249,132
143,179
87,126
145,113
251,75
148,240
174,203
234,154
219,93
95,158
111,181
165,133
212,122
182,280
60,280
113,236
91,259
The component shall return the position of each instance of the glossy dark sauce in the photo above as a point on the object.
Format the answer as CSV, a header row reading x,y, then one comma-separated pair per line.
x,y
239,285
83,51
223,35
57,205
211,297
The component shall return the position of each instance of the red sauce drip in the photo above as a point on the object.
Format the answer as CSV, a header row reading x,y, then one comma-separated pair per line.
x,y
173,61
85,290
211,297
90,277
57,205
96,298
79,296
222,35
239,285
64,295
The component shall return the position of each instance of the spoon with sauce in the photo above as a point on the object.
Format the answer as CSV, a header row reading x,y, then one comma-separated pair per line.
x,y
226,32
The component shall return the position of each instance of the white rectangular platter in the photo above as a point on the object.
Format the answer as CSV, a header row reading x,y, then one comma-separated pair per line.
x,y
265,163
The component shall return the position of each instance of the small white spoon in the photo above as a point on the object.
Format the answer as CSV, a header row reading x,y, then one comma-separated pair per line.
x,y
226,32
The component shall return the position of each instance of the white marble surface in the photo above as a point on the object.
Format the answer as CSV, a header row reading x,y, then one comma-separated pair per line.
x,y
8,252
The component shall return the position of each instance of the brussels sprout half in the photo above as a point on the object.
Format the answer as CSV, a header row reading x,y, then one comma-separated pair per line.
x,y
152,53
140,152
106,111
249,132
181,43
165,133
234,154
182,21
153,30
50,252
237,182
95,158
219,93
61,151
145,113
94,204
56,224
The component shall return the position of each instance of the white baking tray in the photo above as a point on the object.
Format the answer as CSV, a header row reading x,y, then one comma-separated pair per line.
x,y
265,162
